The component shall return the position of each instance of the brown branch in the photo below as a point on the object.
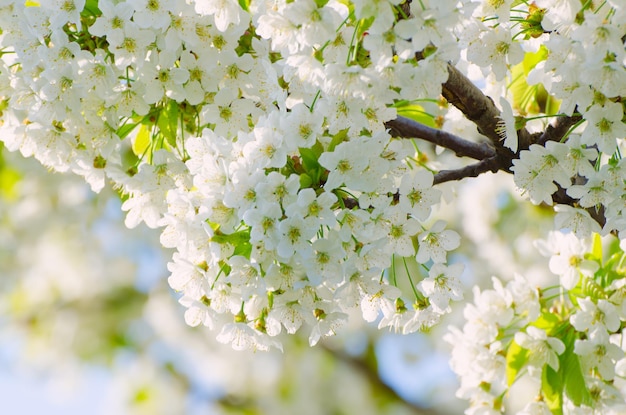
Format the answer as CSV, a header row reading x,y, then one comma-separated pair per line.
x,y
470,100
478,108
491,164
473,170
407,128
556,131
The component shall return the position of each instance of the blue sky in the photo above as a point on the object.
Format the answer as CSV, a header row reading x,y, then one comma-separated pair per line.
x,y
26,394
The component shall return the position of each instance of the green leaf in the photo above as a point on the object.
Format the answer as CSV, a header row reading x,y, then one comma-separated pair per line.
x,y
142,141
418,114
596,248
575,387
609,277
310,157
591,288
244,45
516,358
310,163
531,99
168,122
91,9
305,181
338,138
547,321
244,249
235,239
125,129
531,59
245,4
613,261
612,247
552,389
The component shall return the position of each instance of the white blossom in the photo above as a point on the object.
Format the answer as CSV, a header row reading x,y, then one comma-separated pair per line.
x,y
542,349
435,243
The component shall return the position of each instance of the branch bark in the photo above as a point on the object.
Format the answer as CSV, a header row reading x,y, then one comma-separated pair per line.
x,y
459,91
556,131
473,170
407,128
478,108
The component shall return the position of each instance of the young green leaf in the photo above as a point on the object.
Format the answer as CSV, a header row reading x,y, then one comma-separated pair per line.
x,y
531,99
552,389
168,122
516,358
547,321
126,129
417,113
141,141
575,387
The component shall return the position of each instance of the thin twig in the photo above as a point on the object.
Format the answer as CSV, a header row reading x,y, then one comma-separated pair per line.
x,y
407,128
473,170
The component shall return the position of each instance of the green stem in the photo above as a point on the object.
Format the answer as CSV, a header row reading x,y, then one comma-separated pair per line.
x,y
408,273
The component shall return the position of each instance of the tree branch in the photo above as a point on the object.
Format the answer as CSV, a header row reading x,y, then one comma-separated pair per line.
x,y
407,128
470,100
478,108
473,170
556,131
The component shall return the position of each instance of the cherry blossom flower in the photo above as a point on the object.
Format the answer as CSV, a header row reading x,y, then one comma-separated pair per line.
x,y
346,165
567,258
604,126
538,168
327,325
224,12
577,220
256,136
417,195
542,349
64,11
435,243
592,315
442,285
296,233
495,50
152,13
507,130
597,352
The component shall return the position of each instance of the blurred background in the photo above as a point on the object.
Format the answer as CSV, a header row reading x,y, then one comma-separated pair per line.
x,y
88,323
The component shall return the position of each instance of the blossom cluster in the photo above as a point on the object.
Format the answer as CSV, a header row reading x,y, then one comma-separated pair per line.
x,y
585,70
254,135
569,343
75,293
